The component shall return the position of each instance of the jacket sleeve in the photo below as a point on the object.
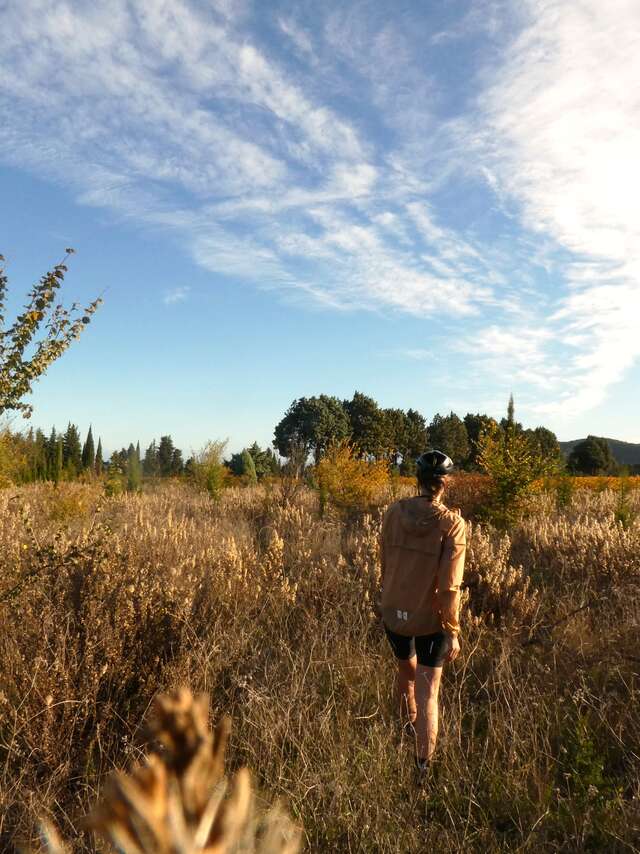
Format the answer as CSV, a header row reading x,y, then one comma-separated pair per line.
x,y
450,572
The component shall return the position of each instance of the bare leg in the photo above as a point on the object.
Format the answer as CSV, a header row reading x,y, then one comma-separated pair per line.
x,y
405,688
426,693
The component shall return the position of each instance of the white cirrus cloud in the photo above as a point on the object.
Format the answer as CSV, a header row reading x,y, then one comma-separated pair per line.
x,y
176,295
563,120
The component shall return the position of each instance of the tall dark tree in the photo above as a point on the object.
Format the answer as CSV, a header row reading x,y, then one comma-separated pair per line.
x,y
151,464
88,451
138,452
40,468
52,446
396,430
165,456
417,440
592,456
447,433
177,463
311,424
57,464
99,461
369,425
235,464
72,453
509,424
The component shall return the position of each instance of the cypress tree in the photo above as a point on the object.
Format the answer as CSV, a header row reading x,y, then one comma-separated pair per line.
x,y
99,460
72,450
150,465
134,475
165,456
138,451
249,467
40,456
52,444
58,461
88,451
177,464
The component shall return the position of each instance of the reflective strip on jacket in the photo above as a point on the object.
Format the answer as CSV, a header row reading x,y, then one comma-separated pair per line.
x,y
422,552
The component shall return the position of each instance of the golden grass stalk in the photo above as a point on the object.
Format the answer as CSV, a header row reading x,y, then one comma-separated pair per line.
x,y
174,803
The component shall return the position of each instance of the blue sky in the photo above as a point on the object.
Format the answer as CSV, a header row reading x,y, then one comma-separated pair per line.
x,y
433,203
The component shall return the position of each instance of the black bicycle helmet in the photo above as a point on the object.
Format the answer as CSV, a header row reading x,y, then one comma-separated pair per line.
x,y
434,462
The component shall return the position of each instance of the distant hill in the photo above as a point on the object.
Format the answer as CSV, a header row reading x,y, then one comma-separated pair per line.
x,y
626,453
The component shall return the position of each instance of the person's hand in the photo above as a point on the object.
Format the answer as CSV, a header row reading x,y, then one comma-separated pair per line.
x,y
454,648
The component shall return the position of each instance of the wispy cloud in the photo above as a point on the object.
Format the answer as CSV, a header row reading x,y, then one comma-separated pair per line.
x,y
176,295
563,123
333,156
418,354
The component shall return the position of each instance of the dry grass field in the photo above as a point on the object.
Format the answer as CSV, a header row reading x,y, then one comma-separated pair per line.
x,y
267,606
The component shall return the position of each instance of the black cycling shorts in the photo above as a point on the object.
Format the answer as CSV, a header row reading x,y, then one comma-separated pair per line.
x,y
430,649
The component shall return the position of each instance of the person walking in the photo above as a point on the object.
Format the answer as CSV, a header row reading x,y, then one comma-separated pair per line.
x,y
422,553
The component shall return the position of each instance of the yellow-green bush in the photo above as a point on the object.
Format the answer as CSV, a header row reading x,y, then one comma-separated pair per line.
x,y
348,481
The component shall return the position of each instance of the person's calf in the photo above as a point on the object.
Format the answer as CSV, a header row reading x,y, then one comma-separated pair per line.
x,y
406,689
427,688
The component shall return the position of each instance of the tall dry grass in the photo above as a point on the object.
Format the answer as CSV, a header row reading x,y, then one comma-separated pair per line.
x,y
268,608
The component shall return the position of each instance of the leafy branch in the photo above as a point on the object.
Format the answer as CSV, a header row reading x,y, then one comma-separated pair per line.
x,y
20,365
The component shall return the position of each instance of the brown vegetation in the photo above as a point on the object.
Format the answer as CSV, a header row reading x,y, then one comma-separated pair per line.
x,y
105,602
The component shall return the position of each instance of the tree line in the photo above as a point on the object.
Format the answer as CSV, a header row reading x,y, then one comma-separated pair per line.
x,y
34,456
309,427
63,455
313,424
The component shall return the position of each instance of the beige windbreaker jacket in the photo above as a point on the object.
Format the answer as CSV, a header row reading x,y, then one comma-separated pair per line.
x,y
422,553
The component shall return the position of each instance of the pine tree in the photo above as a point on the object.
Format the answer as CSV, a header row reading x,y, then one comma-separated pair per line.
x,y
72,450
448,433
150,465
99,462
508,455
265,461
88,451
165,456
177,464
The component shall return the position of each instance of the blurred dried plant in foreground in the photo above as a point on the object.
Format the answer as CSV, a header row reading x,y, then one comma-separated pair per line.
x,y
175,802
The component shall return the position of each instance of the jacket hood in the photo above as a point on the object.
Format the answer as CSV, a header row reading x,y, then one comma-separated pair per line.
x,y
420,516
